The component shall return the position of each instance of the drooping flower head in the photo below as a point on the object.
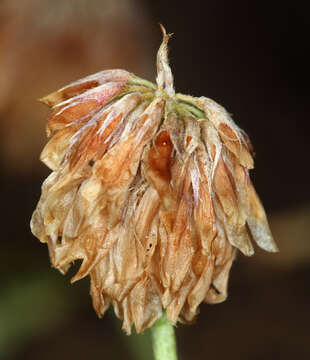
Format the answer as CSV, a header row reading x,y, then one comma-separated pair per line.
x,y
151,190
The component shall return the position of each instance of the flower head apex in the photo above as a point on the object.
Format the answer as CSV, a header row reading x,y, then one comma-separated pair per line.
x,y
164,75
150,190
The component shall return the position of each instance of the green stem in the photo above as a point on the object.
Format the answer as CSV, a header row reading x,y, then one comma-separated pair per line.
x,y
136,80
163,339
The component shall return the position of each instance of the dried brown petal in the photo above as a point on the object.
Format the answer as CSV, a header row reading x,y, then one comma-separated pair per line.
x,y
81,86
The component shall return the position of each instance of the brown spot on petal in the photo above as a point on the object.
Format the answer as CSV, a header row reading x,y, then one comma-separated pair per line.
x,y
92,144
160,155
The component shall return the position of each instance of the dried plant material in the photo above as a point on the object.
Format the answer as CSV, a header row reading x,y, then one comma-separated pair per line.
x,y
150,189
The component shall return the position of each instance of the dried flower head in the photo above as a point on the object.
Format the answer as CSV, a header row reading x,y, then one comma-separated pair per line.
x,y
150,189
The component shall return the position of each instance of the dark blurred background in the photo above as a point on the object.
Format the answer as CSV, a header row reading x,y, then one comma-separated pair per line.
x,y
252,57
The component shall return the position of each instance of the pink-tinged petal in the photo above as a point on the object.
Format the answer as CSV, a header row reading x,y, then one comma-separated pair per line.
x,y
81,108
81,86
